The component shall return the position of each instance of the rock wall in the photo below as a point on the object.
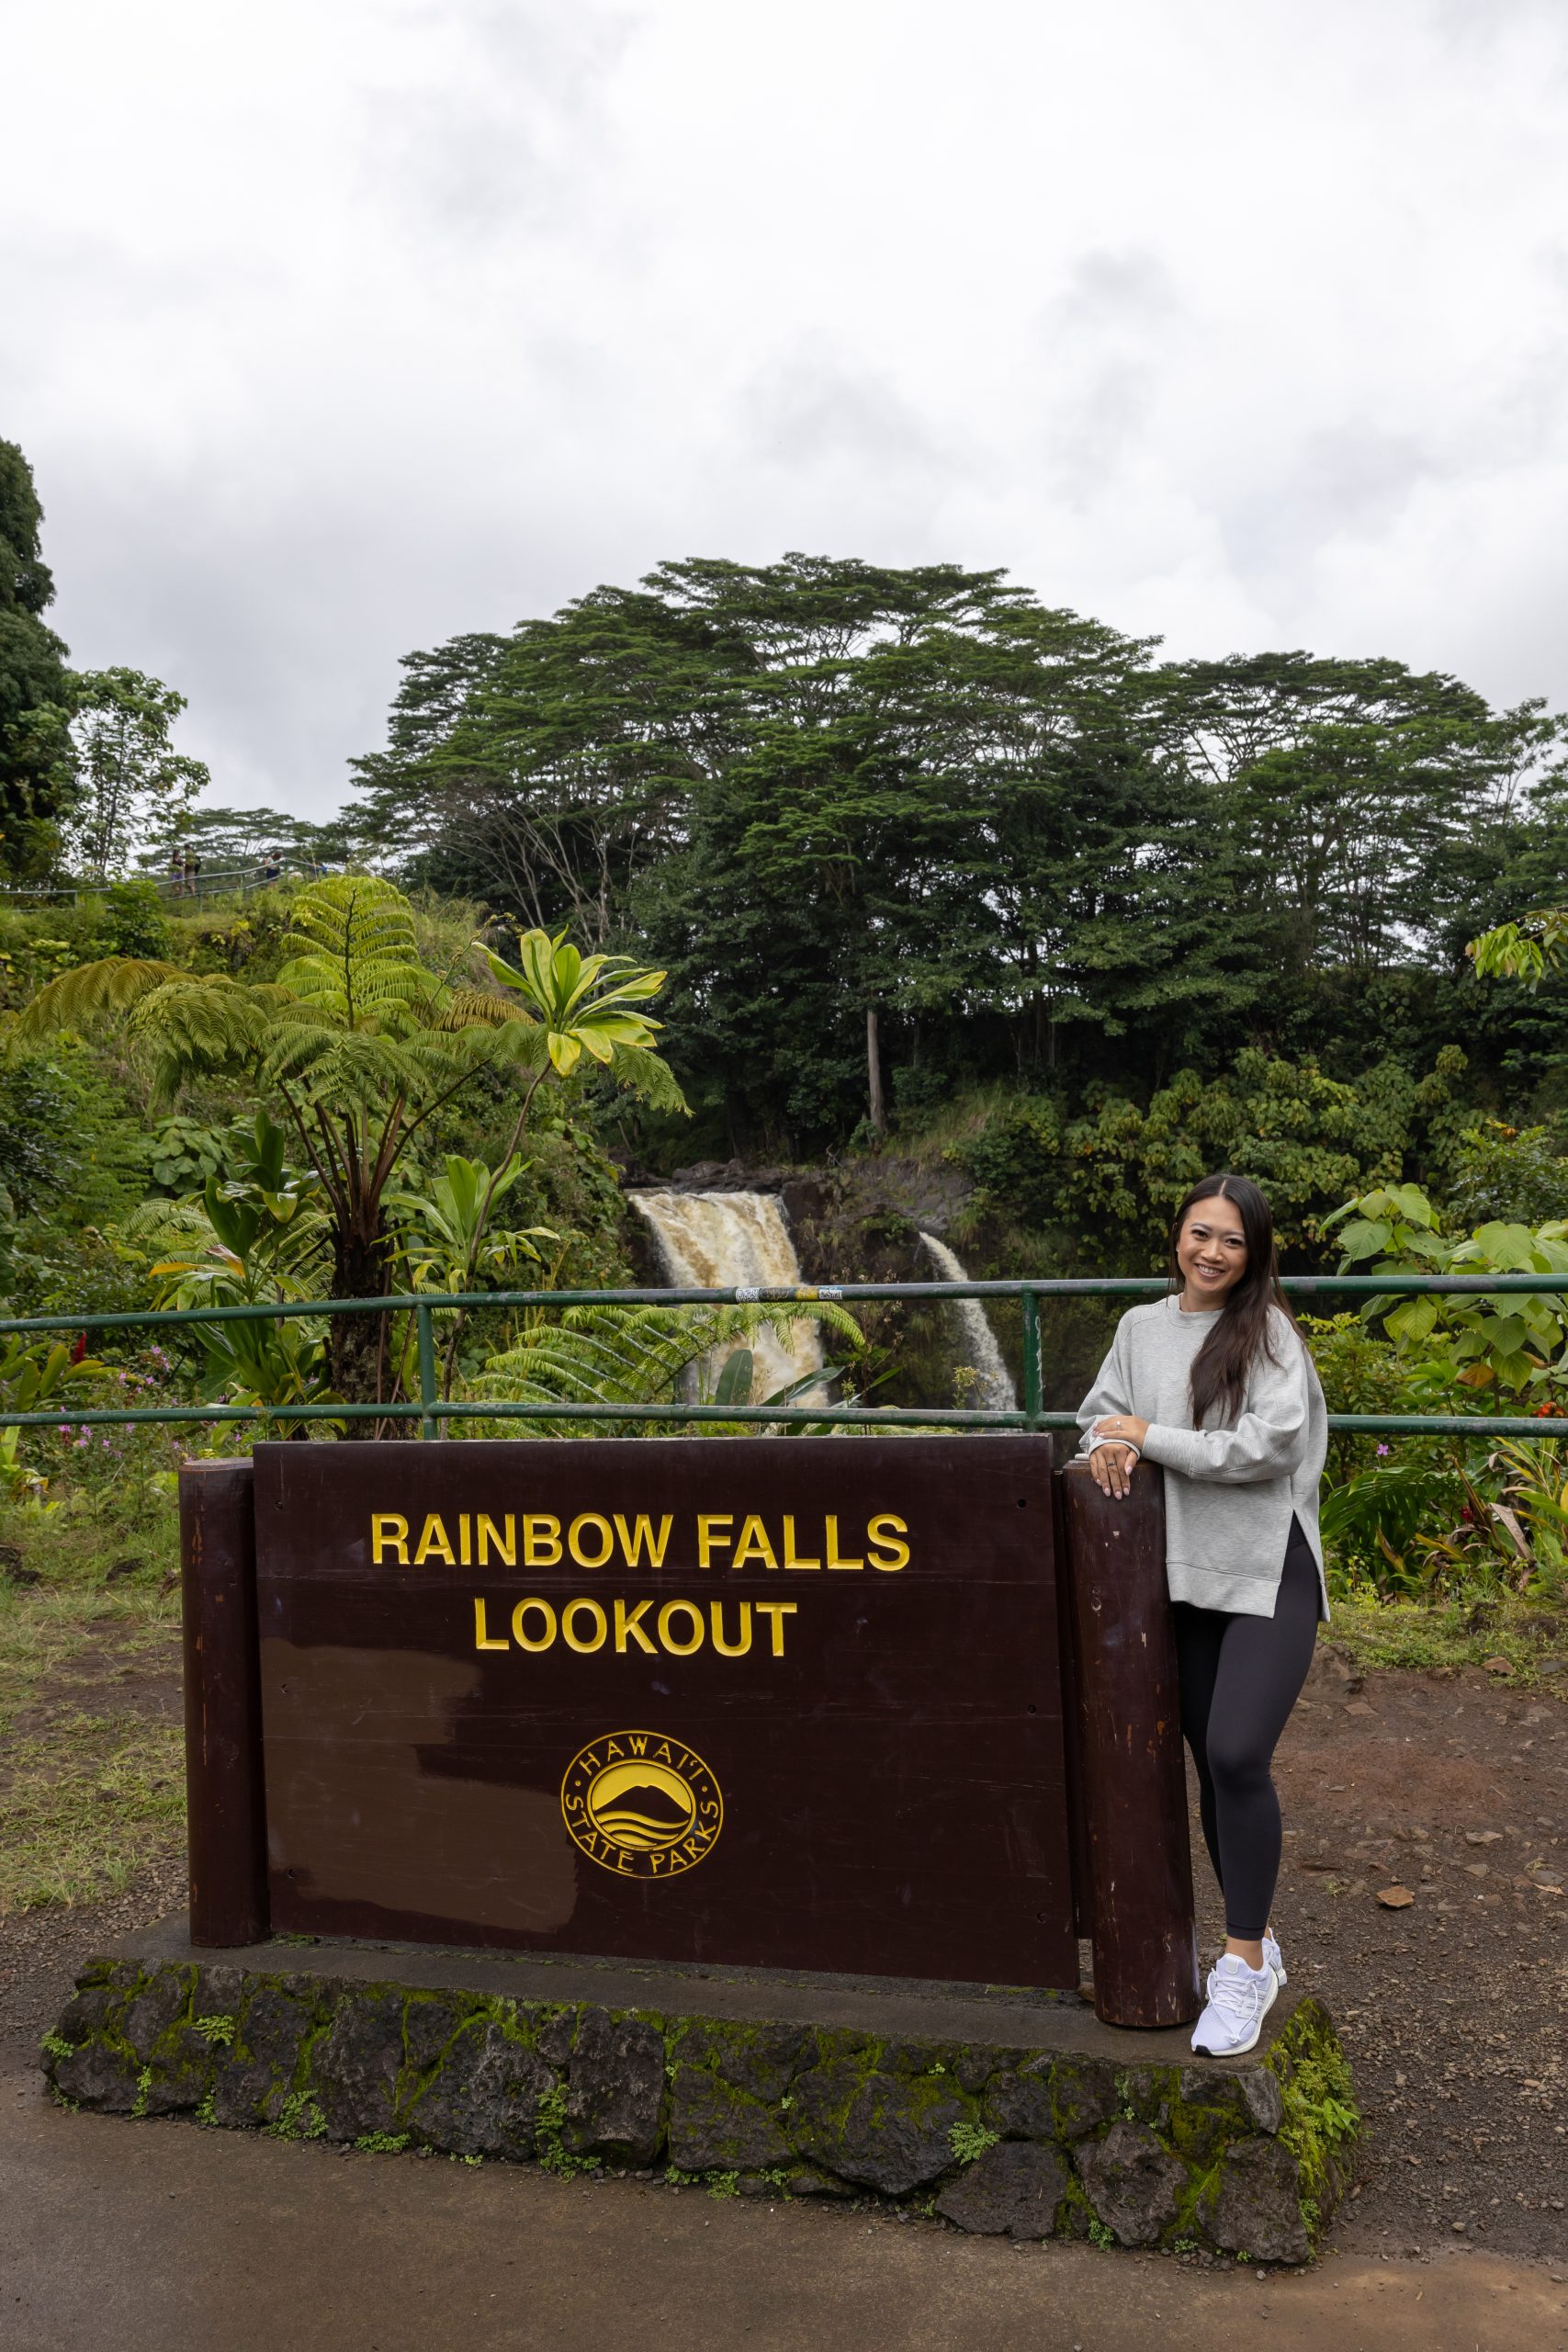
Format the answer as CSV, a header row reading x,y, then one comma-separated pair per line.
x,y
1247,2159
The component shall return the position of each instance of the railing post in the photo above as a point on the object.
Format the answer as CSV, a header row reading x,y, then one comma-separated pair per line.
x,y
1033,1385
428,1427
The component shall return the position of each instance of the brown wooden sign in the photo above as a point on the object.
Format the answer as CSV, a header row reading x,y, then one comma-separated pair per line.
x,y
900,1706
782,1700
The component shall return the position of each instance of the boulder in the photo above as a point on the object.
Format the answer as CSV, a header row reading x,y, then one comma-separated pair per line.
x,y
1133,2182
714,2127
354,2074
1254,2204
616,2089
1012,2190
484,2101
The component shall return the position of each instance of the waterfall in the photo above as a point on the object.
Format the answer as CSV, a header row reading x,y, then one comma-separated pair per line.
x,y
994,1391
724,1240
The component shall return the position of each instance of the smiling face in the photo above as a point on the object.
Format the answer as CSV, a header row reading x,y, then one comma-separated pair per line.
x,y
1211,1252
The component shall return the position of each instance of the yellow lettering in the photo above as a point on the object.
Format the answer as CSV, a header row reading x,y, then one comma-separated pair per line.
x,y
505,1545
776,1611
707,1540
638,1740
694,1616
792,1557
545,1611
730,1649
833,1559
574,1544
754,1545
597,1616
388,1532
640,1534
541,1540
628,1627
434,1540
481,1632
465,1541
889,1543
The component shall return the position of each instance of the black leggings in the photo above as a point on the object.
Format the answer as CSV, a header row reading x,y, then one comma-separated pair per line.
x,y
1240,1677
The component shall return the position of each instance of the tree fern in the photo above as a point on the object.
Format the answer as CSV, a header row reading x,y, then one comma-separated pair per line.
x,y
359,1043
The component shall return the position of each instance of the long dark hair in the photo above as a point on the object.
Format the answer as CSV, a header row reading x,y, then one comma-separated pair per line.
x,y
1217,1382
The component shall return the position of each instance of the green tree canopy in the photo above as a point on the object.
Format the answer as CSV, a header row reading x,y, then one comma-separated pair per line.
x,y
863,814
36,693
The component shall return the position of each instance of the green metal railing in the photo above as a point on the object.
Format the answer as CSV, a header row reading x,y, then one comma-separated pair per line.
x,y
431,1409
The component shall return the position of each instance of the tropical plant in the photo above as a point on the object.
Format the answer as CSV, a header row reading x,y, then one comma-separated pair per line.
x,y
647,1355
261,1234
1500,1341
443,1241
360,1045
1535,1508
1361,1371
1526,950
38,1372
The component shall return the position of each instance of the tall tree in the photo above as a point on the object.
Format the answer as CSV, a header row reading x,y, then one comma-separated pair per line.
x,y
36,693
883,824
131,782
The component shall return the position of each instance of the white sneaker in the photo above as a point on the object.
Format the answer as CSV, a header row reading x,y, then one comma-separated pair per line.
x,y
1273,1958
1239,1999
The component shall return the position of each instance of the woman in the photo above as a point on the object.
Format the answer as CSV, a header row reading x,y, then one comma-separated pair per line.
x,y
1215,1383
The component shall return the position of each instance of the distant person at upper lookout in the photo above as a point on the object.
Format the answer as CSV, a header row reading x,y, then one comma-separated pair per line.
x,y
1215,1383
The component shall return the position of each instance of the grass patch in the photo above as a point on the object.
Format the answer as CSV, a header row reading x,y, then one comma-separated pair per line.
x,y
86,1805
1453,1634
91,1789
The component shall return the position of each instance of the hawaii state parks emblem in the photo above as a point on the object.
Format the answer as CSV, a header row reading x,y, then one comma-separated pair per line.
x,y
642,1805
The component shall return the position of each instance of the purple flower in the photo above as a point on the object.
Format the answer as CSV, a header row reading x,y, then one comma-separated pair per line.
x,y
1383,1448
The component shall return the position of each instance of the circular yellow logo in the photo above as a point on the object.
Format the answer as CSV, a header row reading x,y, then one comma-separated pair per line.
x,y
642,1805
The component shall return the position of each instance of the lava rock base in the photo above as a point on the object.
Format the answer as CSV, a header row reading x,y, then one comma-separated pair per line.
x,y
1012,2114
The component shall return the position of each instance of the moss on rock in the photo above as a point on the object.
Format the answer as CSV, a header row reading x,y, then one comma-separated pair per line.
x,y
1249,2160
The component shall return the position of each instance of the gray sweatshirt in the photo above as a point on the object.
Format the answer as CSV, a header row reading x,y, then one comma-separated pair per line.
x,y
1229,1493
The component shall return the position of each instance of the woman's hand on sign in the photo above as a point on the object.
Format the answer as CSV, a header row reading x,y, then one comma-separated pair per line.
x,y
1112,1460
1112,1469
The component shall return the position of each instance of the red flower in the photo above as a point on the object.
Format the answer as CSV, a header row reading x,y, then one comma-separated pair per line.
x,y
80,1349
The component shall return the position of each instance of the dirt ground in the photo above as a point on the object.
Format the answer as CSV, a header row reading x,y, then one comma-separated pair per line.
x,y
1452,2008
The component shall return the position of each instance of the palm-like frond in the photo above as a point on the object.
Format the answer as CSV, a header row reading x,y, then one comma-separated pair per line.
x,y
353,958
634,1355
587,1004
94,992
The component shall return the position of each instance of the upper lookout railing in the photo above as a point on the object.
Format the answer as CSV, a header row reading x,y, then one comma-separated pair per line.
x,y
431,1409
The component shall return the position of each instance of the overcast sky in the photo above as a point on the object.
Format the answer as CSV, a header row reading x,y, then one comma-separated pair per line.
x,y
335,327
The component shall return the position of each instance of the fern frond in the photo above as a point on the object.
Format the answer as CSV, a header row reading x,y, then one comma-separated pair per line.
x,y
649,1075
94,992
635,1355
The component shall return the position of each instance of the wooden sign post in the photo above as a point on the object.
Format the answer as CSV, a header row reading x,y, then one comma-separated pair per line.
x,y
812,1703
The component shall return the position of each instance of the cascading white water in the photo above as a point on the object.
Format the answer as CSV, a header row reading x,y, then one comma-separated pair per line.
x,y
994,1391
719,1241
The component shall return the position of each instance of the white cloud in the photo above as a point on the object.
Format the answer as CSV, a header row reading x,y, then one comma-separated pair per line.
x,y
338,328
